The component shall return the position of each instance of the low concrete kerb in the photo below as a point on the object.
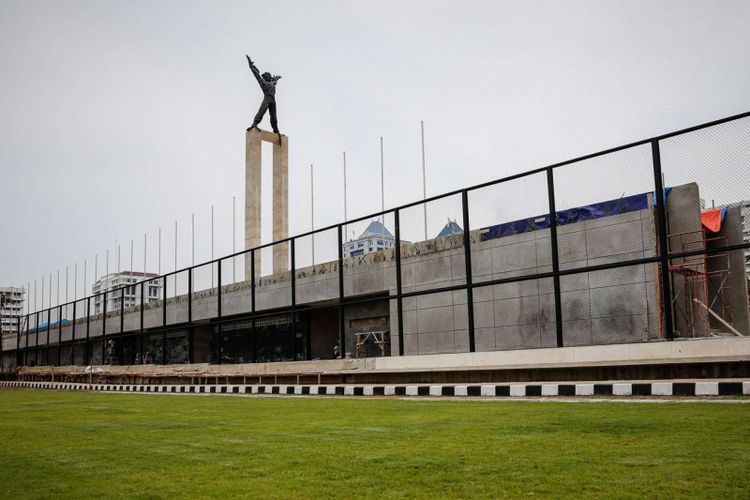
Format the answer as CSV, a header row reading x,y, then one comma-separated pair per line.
x,y
681,388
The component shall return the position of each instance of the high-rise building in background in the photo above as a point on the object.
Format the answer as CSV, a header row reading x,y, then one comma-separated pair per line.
x,y
745,214
11,308
132,294
375,237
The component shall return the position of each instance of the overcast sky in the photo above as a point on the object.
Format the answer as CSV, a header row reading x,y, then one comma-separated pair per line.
x,y
117,118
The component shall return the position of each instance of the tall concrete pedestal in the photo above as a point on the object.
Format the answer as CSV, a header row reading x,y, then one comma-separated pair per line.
x,y
253,139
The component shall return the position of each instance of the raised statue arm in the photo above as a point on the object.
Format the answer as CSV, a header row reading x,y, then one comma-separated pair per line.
x,y
255,71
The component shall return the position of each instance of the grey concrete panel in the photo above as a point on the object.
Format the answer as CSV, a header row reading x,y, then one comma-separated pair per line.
x,y
615,239
484,315
484,339
516,289
436,343
617,276
575,305
577,332
461,341
481,262
517,311
514,257
619,329
205,305
543,248
411,345
518,337
434,300
572,282
571,246
619,300
438,319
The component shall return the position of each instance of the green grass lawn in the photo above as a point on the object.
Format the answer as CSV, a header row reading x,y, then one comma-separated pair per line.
x,y
79,445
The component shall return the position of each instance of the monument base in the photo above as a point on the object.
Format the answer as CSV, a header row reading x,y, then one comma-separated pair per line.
x,y
253,179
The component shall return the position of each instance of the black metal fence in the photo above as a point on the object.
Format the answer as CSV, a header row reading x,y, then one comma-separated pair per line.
x,y
642,242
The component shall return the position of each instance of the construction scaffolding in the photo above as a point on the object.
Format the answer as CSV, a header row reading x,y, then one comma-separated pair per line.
x,y
702,296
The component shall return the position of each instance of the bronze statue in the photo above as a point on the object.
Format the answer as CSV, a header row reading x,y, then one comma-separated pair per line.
x,y
267,83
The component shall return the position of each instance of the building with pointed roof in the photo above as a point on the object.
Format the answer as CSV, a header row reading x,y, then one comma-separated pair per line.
x,y
374,238
449,229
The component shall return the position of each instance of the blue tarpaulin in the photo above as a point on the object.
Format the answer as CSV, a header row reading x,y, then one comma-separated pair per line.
x,y
579,214
55,324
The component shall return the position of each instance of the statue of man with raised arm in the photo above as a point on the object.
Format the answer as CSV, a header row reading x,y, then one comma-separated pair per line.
x,y
267,83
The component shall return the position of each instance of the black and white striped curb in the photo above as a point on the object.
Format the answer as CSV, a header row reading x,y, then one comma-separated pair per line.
x,y
681,388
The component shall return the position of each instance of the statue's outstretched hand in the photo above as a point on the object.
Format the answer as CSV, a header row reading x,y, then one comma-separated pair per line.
x,y
250,61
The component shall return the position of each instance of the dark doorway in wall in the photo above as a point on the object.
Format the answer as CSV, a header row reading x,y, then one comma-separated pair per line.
x,y
324,332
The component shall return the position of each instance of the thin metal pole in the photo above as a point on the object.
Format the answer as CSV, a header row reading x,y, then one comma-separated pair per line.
x,y
58,288
118,259
175,264
75,282
35,297
158,258
132,267
661,218
67,268
49,287
312,211
41,296
96,267
212,245
345,214
145,255
85,277
106,270
382,181
234,245
192,238
555,256
424,179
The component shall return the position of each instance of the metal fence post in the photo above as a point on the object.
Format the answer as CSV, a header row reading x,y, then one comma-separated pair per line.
x,y
122,310
59,336
252,307
293,281
87,346
342,337
190,316
73,332
218,289
140,320
104,326
555,255
164,319
661,223
18,333
399,287
49,327
467,268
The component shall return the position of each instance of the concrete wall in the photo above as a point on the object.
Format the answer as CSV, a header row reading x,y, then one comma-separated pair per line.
x,y
611,306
